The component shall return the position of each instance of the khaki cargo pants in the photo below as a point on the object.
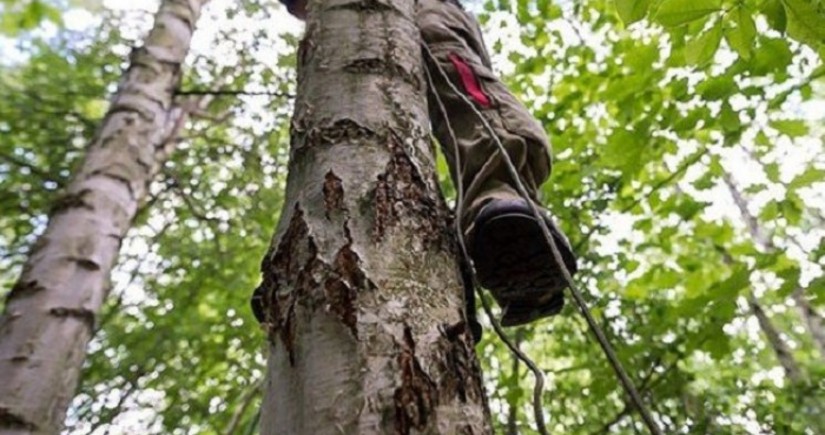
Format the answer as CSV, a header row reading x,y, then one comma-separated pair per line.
x,y
453,36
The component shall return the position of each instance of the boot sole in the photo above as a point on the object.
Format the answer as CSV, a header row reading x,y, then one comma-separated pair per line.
x,y
513,260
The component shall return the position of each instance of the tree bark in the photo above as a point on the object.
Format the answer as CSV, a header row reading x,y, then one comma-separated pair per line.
x,y
51,311
362,287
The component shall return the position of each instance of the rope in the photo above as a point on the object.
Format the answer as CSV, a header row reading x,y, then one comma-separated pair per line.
x,y
613,359
538,388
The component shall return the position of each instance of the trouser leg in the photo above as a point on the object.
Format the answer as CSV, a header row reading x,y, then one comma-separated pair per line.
x,y
458,64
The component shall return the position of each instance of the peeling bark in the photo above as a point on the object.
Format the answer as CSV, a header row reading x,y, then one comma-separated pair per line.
x,y
50,313
363,296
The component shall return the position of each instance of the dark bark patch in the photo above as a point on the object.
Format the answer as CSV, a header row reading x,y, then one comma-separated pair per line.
x,y
86,263
401,194
290,276
71,200
121,178
333,194
341,299
287,332
341,289
343,130
417,397
19,358
85,315
453,332
25,288
287,275
366,6
460,366
84,254
10,420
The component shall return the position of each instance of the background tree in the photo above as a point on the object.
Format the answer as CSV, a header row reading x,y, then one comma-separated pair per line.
x,y
51,311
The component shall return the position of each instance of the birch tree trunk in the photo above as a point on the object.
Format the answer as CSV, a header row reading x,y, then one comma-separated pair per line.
x,y
51,311
362,287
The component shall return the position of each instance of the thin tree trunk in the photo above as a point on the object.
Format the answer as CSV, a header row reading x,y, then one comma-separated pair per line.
x,y
780,348
362,287
813,321
51,311
241,407
513,407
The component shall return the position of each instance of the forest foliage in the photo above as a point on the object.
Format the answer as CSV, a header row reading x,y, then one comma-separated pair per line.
x,y
689,172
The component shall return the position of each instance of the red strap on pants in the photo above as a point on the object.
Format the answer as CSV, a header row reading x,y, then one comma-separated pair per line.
x,y
470,81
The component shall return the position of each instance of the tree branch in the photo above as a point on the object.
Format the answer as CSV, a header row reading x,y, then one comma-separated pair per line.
x,y
34,169
690,161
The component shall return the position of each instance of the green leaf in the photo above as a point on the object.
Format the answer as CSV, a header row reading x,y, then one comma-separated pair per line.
x,y
14,20
772,171
705,182
688,208
790,127
790,280
810,176
770,211
701,50
631,11
624,151
729,119
674,13
775,14
762,139
771,55
718,345
730,287
689,121
641,57
741,37
791,210
816,288
806,21
717,88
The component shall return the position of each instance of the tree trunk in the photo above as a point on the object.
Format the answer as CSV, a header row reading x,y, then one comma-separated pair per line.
x,y
813,321
780,348
362,287
51,311
514,405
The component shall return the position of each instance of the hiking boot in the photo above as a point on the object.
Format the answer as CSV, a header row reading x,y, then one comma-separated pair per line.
x,y
514,261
